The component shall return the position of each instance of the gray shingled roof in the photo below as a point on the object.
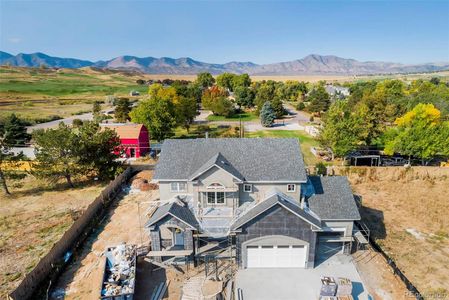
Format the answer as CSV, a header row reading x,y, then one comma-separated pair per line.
x,y
220,161
333,198
182,213
276,199
255,159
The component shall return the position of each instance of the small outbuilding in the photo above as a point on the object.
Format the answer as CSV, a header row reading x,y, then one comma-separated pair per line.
x,y
134,138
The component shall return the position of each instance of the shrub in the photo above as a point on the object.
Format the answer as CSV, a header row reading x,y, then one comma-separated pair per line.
x,y
320,169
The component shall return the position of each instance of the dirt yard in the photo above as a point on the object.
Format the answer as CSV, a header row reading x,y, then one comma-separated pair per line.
x,y
31,221
407,210
82,279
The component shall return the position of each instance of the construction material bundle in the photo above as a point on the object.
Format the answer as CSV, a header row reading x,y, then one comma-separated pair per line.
x,y
120,273
328,286
344,287
331,289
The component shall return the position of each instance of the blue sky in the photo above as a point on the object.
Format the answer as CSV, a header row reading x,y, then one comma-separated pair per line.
x,y
223,31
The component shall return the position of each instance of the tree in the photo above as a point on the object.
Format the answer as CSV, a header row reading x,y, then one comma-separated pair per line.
x,y
242,80
77,122
158,115
265,91
319,100
122,110
215,99
435,80
277,106
56,155
96,111
14,132
186,111
205,80
9,164
67,152
157,90
97,150
226,81
244,96
343,129
222,107
267,115
420,133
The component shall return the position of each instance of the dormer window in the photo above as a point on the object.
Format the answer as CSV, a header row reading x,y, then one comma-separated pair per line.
x,y
291,188
247,188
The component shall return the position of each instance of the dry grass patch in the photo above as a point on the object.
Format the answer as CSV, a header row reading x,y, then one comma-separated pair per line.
x,y
408,213
31,221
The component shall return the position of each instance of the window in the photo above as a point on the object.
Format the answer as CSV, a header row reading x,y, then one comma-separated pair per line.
x,y
215,197
215,186
247,188
178,186
291,188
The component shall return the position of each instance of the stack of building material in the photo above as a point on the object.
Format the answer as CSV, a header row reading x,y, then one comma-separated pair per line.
x,y
120,272
328,287
344,287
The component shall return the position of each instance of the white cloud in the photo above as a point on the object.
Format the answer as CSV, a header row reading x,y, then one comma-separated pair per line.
x,y
14,40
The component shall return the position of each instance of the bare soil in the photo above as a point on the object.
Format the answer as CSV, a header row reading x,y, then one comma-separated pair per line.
x,y
31,221
407,211
124,223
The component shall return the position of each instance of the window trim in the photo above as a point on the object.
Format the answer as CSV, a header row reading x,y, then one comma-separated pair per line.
x,y
178,187
250,188
288,188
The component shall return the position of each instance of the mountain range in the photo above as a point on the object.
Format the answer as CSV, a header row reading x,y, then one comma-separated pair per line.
x,y
310,65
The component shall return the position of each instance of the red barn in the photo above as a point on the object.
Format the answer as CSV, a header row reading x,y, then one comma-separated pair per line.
x,y
134,138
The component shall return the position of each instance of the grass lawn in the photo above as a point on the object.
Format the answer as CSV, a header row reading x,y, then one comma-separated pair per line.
x,y
305,140
245,116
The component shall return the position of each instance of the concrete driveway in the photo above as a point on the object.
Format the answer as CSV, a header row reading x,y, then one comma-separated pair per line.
x,y
297,284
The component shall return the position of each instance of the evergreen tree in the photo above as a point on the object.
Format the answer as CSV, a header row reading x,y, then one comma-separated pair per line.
x,y
14,132
267,115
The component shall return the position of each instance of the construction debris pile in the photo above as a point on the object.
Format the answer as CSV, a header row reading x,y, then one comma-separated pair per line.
x,y
331,289
120,271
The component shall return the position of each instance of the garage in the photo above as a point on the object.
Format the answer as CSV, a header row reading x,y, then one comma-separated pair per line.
x,y
276,256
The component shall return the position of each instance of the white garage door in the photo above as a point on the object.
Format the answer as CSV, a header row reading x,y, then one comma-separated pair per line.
x,y
276,256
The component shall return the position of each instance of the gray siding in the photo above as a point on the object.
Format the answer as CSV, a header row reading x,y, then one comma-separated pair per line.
x,y
261,190
347,225
277,221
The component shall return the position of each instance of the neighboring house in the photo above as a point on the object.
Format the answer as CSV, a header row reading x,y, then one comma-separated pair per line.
x,y
337,92
253,195
134,138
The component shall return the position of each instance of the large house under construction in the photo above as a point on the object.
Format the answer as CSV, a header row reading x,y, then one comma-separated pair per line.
x,y
250,200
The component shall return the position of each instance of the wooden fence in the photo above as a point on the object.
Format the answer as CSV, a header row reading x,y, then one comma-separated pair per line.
x,y
51,264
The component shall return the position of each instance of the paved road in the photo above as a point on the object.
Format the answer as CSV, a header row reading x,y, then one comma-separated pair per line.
x,y
53,124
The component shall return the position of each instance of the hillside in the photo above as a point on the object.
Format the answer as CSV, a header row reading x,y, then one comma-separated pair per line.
x,y
310,65
36,93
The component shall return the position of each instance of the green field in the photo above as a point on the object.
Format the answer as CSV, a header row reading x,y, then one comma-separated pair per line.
x,y
245,116
35,93
305,140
